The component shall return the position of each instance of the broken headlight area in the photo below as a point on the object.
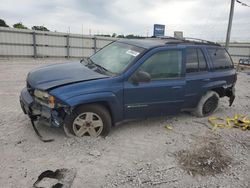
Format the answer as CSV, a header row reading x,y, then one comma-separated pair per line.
x,y
44,98
51,117
52,110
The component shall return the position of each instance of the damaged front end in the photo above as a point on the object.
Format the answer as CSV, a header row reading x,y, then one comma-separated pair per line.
x,y
43,107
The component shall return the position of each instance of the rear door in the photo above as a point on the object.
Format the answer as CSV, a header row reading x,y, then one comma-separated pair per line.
x,y
164,93
197,75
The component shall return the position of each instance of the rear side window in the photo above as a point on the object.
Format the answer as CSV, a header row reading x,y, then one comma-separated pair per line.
x,y
195,60
220,58
163,65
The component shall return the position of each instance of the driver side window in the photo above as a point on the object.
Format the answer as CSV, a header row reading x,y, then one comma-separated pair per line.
x,y
163,65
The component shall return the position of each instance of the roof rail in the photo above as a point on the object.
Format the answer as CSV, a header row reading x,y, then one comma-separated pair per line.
x,y
174,40
201,41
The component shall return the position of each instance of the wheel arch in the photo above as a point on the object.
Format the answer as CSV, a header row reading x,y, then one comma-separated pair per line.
x,y
107,99
220,91
104,104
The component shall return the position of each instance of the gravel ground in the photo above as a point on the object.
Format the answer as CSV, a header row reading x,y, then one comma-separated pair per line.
x,y
135,154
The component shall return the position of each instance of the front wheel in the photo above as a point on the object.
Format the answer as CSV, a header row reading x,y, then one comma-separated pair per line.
x,y
90,120
207,105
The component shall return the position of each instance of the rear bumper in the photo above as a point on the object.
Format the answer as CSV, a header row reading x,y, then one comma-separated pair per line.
x,y
39,112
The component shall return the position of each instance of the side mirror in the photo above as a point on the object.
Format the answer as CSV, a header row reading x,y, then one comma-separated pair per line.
x,y
141,76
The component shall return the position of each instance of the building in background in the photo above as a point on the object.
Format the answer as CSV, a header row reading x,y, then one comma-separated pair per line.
x,y
159,30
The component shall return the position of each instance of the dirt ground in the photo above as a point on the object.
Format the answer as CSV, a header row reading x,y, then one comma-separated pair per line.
x,y
141,153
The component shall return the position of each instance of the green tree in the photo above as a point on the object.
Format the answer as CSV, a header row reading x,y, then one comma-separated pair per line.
x,y
120,36
114,35
131,36
20,26
39,28
3,24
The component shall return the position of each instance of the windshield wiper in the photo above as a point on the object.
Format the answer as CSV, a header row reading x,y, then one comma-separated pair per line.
x,y
101,67
90,63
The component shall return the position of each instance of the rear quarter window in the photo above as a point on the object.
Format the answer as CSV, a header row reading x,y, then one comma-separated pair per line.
x,y
195,60
220,58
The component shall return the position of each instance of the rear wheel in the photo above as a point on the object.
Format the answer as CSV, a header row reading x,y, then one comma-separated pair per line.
x,y
90,120
207,105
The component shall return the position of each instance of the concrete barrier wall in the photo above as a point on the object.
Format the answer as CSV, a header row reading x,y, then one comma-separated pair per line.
x,y
29,43
238,51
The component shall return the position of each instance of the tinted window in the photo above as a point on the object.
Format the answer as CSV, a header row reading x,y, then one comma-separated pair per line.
x,y
202,61
192,64
164,64
195,60
220,58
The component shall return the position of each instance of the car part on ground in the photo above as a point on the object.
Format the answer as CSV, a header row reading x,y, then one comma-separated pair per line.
x,y
32,119
207,105
60,178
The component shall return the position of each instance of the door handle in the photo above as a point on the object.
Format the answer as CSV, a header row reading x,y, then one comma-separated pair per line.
x,y
176,87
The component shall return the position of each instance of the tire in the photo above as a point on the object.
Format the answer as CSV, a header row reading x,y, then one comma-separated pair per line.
x,y
207,105
88,119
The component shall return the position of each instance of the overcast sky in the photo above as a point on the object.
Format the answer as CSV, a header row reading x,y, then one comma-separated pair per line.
x,y
205,19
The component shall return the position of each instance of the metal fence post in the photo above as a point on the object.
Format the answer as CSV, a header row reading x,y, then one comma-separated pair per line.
x,y
231,14
95,48
34,45
67,42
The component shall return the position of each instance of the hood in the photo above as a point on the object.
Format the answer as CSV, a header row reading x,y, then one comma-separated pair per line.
x,y
61,74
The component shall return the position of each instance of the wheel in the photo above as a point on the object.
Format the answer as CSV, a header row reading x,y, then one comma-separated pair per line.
x,y
207,105
89,120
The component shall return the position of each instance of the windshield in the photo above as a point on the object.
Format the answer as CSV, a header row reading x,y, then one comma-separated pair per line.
x,y
116,57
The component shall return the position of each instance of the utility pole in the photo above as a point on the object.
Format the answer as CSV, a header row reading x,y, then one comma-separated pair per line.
x,y
230,23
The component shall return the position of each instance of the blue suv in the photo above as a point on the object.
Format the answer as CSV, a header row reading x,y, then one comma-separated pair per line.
x,y
130,79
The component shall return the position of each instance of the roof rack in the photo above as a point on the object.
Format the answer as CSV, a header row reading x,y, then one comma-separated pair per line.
x,y
173,40
201,41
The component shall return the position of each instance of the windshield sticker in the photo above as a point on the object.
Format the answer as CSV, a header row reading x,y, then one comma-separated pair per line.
x,y
133,53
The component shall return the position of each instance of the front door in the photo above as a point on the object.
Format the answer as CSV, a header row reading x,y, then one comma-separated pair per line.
x,y
163,94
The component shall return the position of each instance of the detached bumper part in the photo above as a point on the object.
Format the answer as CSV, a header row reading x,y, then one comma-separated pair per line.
x,y
231,100
230,92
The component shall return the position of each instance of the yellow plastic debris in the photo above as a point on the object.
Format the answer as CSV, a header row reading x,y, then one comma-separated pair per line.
x,y
238,121
169,127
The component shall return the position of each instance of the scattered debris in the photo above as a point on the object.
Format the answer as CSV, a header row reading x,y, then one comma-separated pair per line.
x,y
238,121
142,175
61,178
95,153
20,141
168,127
207,159
161,182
